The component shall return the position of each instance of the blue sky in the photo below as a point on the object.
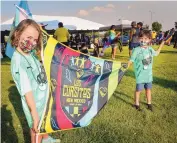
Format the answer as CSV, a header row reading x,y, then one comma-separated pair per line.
x,y
104,12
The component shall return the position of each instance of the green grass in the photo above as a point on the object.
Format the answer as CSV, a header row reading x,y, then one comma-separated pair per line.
x,y
118,122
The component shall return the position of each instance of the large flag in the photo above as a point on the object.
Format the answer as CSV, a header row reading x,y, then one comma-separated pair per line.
x,y
22,12
80,86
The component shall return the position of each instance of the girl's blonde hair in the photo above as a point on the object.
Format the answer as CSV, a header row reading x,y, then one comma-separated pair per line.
x,y
21,27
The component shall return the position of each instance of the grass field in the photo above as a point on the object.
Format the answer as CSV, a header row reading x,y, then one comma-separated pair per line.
x,y
118,122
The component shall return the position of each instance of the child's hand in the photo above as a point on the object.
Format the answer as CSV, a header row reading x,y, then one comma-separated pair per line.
x,y
35,122
124,67
35,125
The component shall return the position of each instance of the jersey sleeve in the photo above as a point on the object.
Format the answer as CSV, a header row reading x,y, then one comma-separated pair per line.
x,y
24,82
21,79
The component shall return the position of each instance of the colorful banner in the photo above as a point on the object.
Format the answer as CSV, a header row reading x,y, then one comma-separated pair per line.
x,y
80,86
22,12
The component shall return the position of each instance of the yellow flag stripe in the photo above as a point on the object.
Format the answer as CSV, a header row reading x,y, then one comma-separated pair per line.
x,y
48,54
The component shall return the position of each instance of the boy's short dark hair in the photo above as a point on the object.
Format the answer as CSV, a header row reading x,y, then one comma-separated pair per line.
x,y
146,33
140,23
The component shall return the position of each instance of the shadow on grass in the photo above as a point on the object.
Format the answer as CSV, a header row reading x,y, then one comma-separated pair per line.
x,y
15,99
172,84
8,133
121,96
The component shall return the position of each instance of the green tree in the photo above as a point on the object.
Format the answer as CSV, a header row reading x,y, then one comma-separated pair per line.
x,y
156,26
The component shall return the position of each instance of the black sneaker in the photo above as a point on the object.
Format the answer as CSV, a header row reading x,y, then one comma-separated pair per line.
x,y
149,106
137,107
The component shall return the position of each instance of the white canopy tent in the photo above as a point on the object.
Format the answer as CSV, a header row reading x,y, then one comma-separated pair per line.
x,y
121,25
78,23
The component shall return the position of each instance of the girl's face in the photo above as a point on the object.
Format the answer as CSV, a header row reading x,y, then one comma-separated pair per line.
x,y
144,41
28,39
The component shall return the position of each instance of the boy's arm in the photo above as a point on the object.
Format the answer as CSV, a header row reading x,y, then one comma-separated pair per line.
x,y
132,58
32,106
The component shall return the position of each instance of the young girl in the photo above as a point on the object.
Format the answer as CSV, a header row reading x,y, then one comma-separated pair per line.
x,y
142,58
29,75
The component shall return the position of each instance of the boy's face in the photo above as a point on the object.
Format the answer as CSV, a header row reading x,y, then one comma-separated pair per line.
x,y
144,41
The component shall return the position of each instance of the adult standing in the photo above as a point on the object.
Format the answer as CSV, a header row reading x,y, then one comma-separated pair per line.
x,y
113,39
134,40
62,34
140,25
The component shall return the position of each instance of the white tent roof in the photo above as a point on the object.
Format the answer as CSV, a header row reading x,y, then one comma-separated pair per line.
x,y
81,24
124,22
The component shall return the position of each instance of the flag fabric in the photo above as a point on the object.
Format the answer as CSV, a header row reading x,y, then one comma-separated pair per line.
x,y
80,86
22,12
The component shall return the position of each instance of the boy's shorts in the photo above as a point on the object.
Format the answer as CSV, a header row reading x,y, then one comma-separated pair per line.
x,y
133,45
141,86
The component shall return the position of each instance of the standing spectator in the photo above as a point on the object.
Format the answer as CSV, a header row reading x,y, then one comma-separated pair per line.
x,y
61,34
160,37
153,34
113,39
175,40
140,25
134,41
169,36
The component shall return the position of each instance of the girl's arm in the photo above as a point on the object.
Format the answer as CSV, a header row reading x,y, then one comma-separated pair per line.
x,y
118,34
159,49
32,106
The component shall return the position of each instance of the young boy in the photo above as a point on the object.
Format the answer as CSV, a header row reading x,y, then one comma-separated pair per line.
x,y
142,57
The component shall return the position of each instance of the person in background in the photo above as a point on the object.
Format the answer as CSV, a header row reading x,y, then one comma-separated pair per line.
x,y
154,34
134,32
61,34
140,26
113,39
175,40
160,37
169,36
77,41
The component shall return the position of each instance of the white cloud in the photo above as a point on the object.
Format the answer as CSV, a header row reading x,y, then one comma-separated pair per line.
x,y
102,9
110,6
96,8
83,12
106,8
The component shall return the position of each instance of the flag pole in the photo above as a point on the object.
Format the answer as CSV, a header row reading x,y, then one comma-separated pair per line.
x,y
21,10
